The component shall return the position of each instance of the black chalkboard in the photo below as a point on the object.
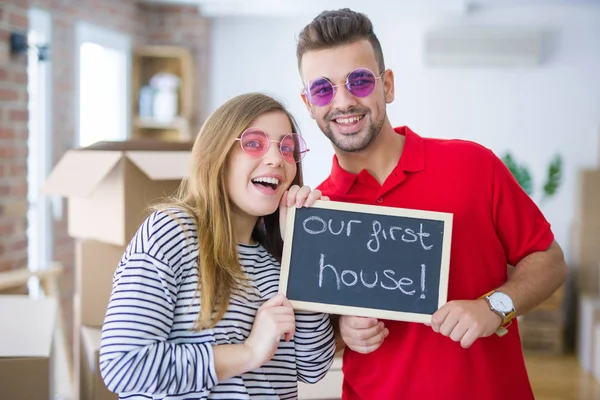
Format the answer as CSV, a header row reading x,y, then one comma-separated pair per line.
x,y
355,259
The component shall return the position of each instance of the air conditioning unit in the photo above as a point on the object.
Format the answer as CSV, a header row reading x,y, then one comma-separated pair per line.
x,y
477,46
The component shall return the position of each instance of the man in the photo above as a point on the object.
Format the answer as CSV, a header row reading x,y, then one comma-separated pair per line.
x,y
458,356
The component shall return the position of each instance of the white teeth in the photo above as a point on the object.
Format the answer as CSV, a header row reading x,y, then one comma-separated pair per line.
x,y
272,181
348,120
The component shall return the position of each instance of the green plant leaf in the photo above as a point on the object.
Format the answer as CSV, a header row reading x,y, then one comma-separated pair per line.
x,y
554,177
520,172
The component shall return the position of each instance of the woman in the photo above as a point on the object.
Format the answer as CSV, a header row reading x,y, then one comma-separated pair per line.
x,y
194,312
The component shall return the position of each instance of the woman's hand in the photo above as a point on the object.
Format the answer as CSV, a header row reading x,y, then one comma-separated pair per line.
x,y
274,319
299,197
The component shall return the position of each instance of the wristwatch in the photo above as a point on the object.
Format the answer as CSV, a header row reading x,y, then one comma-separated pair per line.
x,y
500,303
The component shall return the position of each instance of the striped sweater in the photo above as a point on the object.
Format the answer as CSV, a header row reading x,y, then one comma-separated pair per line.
x,y
149,349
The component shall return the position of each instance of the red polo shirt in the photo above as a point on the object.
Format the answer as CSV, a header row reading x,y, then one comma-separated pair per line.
x,y
494,223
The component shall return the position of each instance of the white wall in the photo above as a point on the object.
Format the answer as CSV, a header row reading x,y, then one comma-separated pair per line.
x,y
535,112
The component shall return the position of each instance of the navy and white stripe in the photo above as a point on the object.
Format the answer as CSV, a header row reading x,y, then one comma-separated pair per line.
x,y
149,349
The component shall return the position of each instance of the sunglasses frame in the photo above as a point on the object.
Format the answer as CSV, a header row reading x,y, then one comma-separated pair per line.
x,y
305,91
269,141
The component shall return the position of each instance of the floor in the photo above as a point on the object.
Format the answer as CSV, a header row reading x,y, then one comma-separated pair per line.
x,y
552,378
560,378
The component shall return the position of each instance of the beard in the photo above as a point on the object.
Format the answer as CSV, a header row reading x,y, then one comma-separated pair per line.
x,y
355,141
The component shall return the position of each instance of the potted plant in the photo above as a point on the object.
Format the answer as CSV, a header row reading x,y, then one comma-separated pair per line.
x,y
521,173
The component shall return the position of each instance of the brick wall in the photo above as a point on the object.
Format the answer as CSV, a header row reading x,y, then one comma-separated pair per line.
x,y
13,140
120,15
145,24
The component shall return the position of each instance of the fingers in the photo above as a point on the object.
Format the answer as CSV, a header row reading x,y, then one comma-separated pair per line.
x,y
366,333
284,198
283,212
447,327
458,332
465,321
282,311
279,311
362,335
285,321
275,301
279,301
368,337
314,195
358,322
367,341
287,330
469,337
286,302
301,196
292,195
438,318
367,349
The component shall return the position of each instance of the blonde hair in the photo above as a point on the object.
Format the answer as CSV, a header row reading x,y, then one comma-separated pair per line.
x,y
204,196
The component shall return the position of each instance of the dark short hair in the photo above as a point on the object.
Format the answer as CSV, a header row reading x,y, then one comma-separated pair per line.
x,y
336,28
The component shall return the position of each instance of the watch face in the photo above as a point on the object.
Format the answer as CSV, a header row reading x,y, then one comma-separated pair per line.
x,y
501,302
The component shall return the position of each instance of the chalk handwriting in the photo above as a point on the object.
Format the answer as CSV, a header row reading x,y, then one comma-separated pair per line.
x,y
324,225
389,281
315,225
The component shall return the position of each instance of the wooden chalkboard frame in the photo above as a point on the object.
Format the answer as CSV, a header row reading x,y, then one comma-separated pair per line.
x,y
447,218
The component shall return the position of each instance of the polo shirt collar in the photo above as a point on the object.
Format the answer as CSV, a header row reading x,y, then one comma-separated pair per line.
x,y
411,160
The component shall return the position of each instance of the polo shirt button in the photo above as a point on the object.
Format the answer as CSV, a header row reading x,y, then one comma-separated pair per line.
x,y
379,200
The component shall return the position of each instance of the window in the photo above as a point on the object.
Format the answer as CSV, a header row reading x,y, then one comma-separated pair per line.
x,y
39,226
104,64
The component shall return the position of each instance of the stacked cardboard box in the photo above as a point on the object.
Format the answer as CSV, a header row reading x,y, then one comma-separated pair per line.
x,y
588,319
26,343
542,330
585,234
585,260
109,187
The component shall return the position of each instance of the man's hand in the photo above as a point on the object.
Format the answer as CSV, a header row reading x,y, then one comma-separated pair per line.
x,y
363,335
465,321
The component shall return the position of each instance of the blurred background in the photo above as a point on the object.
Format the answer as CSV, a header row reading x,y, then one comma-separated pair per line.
x,y
521,77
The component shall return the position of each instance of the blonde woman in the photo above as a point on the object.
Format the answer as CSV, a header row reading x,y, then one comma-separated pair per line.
x,y
194,311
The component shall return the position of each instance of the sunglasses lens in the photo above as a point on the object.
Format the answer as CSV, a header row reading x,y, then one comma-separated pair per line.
x,y
293,148
361,82
254,143
320,92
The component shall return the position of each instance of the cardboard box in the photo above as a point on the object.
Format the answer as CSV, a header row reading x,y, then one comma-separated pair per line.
x,y
596,364
26,341
330,387
95,265
91,385
555,302
111,184
588,318
588,209
585,256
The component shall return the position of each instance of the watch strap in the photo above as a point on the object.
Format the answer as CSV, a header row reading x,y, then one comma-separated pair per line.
x,y
506,318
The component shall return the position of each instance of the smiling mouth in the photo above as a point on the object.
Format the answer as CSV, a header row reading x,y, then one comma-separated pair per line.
x,y
271,183
348,121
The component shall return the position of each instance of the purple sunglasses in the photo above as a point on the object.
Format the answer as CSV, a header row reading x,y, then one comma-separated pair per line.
x,y
360,83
